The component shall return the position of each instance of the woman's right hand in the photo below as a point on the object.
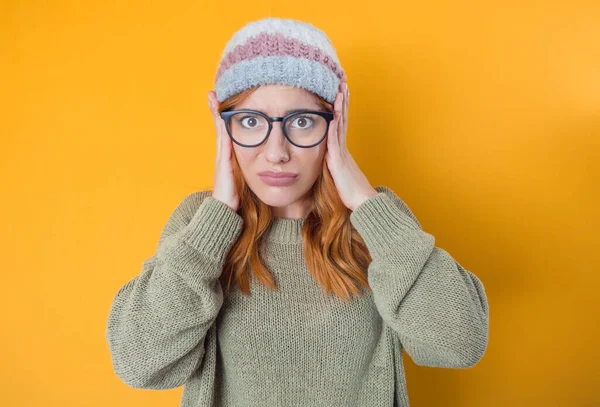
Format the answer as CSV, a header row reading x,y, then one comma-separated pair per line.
x,y
224,188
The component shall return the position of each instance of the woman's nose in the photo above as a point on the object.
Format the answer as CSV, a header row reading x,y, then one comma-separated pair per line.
x,y
277,145
277,136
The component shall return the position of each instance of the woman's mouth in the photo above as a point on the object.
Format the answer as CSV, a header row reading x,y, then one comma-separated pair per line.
x,y
279,181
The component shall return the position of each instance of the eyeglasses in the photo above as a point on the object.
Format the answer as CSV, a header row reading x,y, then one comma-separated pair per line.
x,y
303,128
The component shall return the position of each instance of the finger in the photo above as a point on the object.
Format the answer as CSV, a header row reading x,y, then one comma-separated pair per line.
x,y
211,108
216,118
219,142
226,149
331,136
223,135
340,113
334,125
223,141
345,116
342,128
214,109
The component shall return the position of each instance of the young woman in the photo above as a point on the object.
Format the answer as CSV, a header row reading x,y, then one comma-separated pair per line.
x,y
293,282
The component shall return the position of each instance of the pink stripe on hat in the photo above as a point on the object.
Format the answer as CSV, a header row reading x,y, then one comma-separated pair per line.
x,y
277,45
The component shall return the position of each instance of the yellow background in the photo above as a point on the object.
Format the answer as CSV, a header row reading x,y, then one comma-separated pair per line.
x,y
483,116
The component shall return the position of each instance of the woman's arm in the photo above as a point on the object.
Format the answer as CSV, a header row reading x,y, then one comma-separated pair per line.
x,y
438,309
159,319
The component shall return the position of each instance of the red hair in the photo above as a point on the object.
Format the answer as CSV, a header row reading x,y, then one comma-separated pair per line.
x,y
334,252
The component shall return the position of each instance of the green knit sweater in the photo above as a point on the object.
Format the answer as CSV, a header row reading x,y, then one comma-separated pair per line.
x,y
293,346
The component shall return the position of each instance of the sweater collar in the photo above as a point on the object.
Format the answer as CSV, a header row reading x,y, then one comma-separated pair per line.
x,y
284,230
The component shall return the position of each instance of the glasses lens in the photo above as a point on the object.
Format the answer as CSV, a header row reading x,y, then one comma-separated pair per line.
x,y
248,128
306,129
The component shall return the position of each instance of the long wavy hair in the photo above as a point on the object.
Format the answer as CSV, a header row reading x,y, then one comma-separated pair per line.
x,y
334,252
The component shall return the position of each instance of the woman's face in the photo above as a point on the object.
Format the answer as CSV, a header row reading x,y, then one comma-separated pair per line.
x,y
278,154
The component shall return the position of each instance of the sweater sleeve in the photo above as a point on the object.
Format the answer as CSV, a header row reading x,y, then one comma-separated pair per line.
x,y
438,309
159,319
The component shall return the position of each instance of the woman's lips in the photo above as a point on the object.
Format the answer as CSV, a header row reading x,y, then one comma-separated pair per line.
x,y
278,182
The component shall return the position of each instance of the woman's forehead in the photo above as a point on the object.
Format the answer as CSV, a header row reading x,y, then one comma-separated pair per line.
x,y
279,99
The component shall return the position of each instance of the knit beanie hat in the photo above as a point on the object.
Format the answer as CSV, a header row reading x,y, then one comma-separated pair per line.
x,y
279,51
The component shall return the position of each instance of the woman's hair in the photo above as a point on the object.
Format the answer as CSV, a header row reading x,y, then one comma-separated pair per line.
x,y
335,253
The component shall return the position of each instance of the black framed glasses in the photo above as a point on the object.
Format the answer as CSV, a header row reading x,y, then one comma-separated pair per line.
x,y
251,128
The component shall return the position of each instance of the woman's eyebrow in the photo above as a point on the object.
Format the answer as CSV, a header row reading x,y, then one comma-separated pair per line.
x,y
285,113
301,108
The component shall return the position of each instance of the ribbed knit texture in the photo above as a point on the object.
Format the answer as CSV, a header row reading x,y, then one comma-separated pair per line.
x,y
171,325
279,51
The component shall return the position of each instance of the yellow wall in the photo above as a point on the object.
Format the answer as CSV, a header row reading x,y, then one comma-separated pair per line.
x,y
483,116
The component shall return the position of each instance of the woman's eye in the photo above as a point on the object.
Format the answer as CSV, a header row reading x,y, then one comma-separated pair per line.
x,y
250,122
302,122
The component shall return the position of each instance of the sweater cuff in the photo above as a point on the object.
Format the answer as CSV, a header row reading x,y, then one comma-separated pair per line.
x,y
213,228
383,225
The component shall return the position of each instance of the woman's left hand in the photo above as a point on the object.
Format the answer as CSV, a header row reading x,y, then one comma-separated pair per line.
x,y
352,185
